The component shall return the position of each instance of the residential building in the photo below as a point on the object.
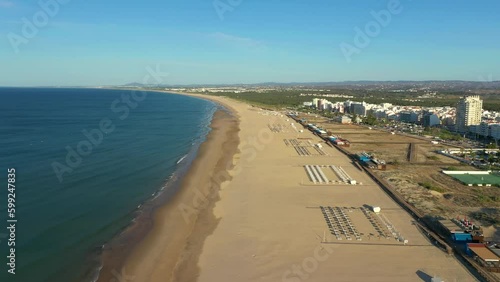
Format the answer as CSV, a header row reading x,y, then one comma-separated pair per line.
x,y
469,110
430,120
409,117
495,131
358,108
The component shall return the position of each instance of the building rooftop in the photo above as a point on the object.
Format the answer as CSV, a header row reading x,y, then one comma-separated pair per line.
x,y
451,226
484,253
495,249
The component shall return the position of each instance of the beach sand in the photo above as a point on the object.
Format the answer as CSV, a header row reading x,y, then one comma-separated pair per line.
x,y
181,225
163,243
261,220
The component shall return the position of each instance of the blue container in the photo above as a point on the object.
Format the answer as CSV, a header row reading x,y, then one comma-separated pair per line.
x,y
461,237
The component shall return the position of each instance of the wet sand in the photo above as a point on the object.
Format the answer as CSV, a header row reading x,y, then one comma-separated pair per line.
x,y
181,226
171,241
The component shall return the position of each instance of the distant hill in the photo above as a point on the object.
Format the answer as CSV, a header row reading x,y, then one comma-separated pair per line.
x,y
134,84
434,84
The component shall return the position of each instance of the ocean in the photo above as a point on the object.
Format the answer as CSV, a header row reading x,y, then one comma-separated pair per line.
x,y
85,160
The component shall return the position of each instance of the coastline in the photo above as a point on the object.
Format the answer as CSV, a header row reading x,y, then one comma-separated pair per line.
x,y
260,220
174,234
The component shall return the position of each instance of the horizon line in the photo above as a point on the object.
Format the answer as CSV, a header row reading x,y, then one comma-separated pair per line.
x,y
248,84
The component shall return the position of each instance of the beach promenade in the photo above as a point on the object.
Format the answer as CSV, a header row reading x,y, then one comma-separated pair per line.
x,y
255,214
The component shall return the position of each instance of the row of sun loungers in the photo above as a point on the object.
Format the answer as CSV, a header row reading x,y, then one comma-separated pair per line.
x,y
277,128
315,174
339,223
302,151
294,142
340,172
391,228
375,223
301,147
320,151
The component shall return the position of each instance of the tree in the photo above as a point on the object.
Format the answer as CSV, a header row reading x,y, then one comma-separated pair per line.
x,y
491,158
370,119
472,154
354,118
492,145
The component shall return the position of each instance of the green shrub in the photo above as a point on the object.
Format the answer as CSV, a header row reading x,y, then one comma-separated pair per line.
x,y
430,186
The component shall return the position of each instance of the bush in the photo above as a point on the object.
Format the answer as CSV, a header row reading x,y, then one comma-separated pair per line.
x,y
430,186
489,219
394,162
433,158
484,199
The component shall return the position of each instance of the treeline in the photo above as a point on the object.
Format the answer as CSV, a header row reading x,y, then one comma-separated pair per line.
x,y
292,98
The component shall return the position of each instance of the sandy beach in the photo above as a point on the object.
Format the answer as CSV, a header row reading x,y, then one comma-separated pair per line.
x,y
248,211
165,239
180,226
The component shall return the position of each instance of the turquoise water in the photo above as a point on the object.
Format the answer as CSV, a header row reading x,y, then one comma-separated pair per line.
x,y
64,220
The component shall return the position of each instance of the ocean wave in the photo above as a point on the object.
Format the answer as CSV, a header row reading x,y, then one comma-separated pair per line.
x,y
181,159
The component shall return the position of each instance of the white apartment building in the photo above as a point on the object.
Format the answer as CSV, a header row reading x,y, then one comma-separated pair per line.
x,y
469,110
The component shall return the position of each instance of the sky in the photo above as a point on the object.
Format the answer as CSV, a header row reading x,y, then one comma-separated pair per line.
x,y
94,42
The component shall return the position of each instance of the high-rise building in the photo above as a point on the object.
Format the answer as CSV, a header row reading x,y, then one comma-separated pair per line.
x,y
430,120
408,116
358,108
495,131
469,110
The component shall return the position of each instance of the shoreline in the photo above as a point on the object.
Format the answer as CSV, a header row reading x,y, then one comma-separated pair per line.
x,y
265,224
178,225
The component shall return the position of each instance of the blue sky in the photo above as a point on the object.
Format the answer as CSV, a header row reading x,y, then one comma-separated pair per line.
x,y
93,42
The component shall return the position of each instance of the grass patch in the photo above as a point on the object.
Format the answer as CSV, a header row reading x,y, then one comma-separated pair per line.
x,y
485,199
430,186
488,219
475,179
448,196
433,158
393,162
